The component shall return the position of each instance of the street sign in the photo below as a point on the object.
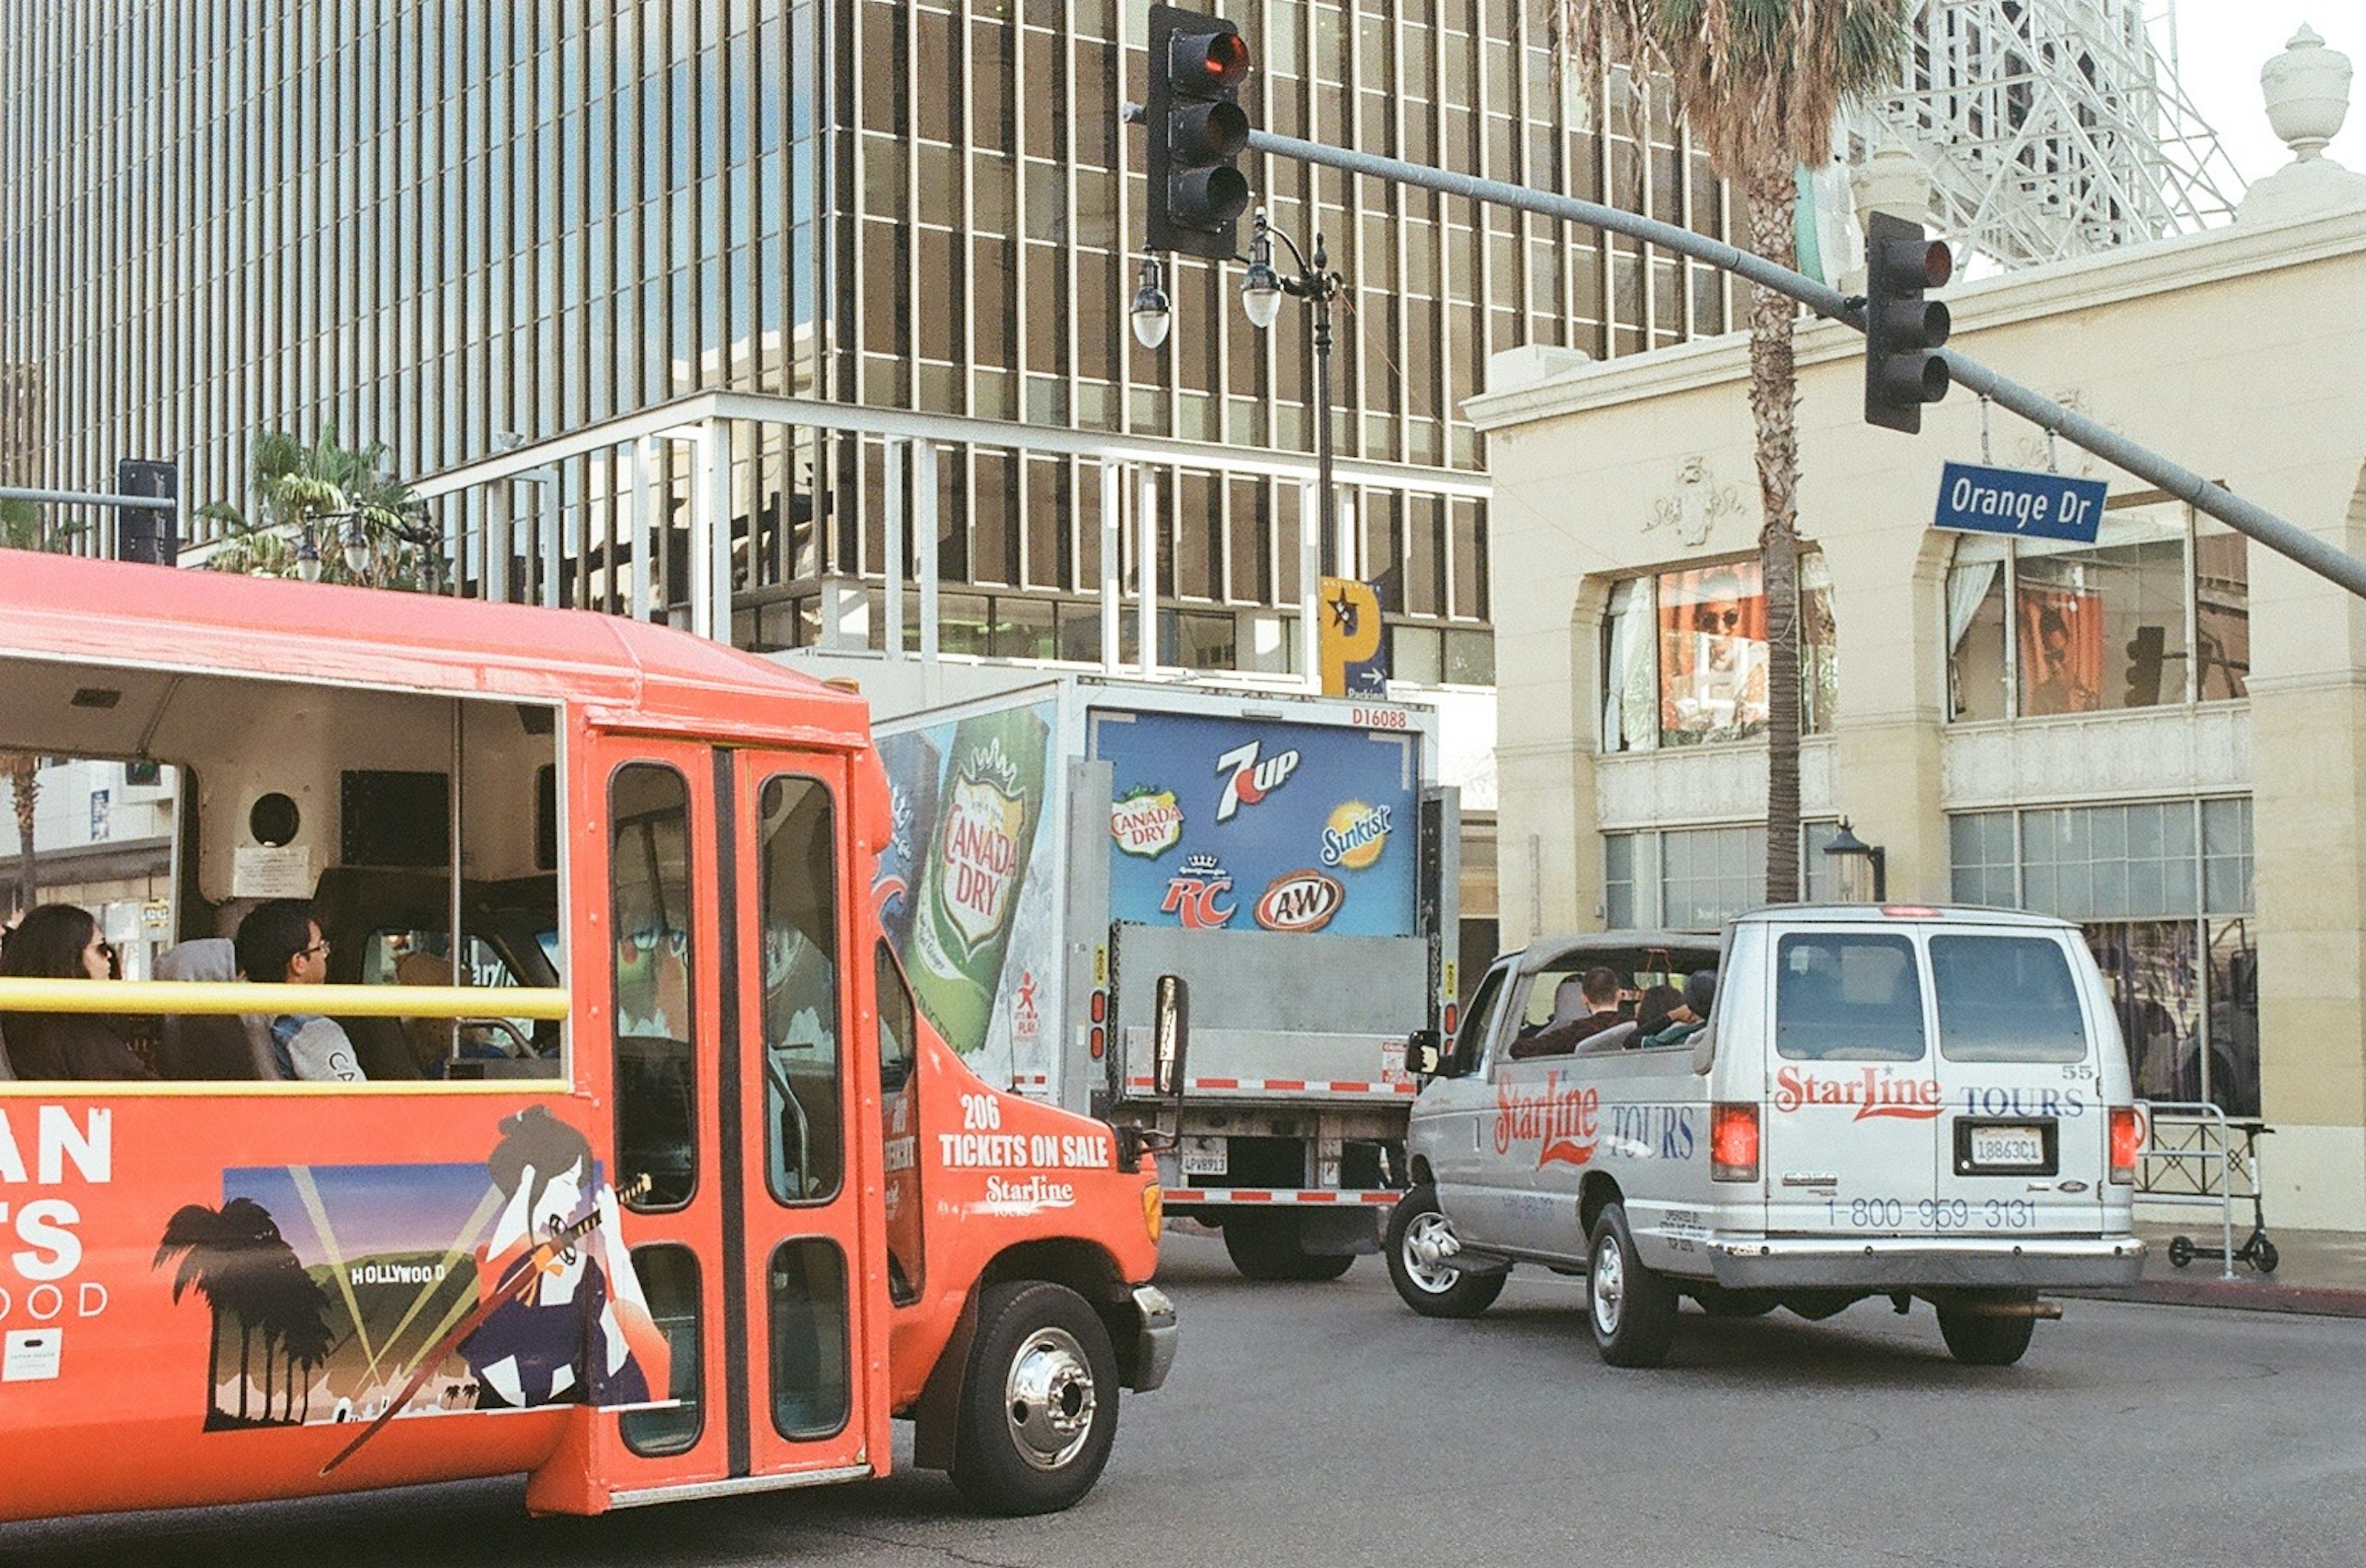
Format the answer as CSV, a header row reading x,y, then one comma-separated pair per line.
x,y
1354,643
1978,499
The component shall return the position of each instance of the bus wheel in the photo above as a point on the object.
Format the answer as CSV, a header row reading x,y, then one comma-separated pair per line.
x,y
1420,1244
1038,1406
1630,1304
1266,1247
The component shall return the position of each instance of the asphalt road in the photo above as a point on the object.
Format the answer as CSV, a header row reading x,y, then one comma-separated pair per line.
x,y
1314,1425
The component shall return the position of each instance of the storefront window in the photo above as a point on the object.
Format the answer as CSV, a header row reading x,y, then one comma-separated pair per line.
x,y
2148,881
1684,653
2156,611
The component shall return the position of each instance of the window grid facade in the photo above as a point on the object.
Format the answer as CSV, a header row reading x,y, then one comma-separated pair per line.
x,y
424,226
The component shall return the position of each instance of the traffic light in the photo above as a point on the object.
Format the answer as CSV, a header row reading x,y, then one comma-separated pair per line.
x,y
1902,330
1196,129
146,533
2147,650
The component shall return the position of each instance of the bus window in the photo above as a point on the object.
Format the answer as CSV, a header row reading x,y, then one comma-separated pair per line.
x,y
803,1139
899,1108
651,894
668,1276
812,1394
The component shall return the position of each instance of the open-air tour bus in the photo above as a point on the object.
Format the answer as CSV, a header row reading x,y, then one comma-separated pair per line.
x,y
643,1176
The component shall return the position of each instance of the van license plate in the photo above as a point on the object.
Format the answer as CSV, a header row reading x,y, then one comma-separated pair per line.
x,y
2013,1146
1204,1156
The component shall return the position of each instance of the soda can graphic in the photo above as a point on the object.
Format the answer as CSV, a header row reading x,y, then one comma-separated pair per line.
x,y
986,817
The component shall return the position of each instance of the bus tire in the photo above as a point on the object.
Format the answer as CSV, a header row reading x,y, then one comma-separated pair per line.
x,y
1979,1338
1424,1282
1266,1247
1630,1306
1039,1404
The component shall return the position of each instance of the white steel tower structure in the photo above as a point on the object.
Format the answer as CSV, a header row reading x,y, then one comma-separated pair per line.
x,y
2054,128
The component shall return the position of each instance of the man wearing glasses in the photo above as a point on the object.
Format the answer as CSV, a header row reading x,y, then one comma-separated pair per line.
x,y
279,943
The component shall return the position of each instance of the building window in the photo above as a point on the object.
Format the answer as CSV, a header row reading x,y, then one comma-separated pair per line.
x,y
2163,889
1697,878
2156,611
1683,656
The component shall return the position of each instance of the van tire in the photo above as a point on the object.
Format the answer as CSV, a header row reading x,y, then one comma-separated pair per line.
x,y
1718,1301
1433,1288
1036,1340
1266,1247
1630,1306
1979,1338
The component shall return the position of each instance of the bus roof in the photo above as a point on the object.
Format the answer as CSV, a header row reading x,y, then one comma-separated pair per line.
x,y
621,673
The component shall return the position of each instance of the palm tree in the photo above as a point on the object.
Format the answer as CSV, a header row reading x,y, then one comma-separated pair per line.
x,y
226,1255
1759,82
293,484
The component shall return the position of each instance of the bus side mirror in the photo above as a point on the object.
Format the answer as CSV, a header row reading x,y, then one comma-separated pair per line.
x,y
1425,1053
1171,1038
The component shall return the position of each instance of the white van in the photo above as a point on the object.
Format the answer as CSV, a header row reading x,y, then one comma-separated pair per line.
x,y
1884,1100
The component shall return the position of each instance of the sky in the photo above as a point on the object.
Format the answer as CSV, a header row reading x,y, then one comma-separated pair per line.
x,y
2221,44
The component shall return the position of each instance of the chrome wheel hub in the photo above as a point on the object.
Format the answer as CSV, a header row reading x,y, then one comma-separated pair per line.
x,y
1429,1243
1048,1398
1606,1286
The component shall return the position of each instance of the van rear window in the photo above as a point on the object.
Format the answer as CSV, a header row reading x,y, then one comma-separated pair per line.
x,y
1841,997
2006,998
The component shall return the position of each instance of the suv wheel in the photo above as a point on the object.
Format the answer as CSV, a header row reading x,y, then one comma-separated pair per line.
x,y
1420,1241
1631,1306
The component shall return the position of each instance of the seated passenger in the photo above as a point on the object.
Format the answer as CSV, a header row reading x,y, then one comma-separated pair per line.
x,y
1599,991
59,942
279,943
205,1045
1671,1017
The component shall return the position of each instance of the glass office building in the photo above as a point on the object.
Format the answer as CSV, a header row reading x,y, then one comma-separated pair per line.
x,y
438,226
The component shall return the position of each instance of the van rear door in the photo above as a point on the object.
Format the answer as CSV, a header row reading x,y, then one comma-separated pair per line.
x,y
1853,1106
2024,1146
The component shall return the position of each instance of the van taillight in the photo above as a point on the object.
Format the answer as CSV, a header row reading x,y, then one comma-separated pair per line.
x,y
2127,1144
1733,1143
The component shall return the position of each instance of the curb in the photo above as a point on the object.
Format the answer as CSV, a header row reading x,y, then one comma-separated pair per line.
x,y
2246,1295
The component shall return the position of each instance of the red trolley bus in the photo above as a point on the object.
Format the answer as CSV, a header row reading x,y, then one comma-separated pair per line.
x,y
642,1176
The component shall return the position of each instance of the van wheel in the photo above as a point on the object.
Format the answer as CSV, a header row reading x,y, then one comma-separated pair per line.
x,y
1039,1402
1420,1240
1265,1246
1630,1304
1980,1338
1718,1301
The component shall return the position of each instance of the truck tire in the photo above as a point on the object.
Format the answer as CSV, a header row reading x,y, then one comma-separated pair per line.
x,y
1039,1402
1265,1245
1630,1306
1979,1338
1423,1281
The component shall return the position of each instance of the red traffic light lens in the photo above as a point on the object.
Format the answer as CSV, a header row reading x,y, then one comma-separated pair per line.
x,y
1938,264
1226,60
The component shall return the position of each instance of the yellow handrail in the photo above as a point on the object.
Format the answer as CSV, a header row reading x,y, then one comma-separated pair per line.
x,y
145,998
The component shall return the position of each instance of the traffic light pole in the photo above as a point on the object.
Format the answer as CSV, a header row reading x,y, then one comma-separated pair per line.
x,y
2245,517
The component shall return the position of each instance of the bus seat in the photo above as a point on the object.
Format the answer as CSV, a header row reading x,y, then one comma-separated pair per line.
x,y
211,1047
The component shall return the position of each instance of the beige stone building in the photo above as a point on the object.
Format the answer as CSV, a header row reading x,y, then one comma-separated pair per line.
x,y
2161,735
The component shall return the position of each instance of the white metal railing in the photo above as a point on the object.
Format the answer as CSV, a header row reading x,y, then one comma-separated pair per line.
x,y
2199,1166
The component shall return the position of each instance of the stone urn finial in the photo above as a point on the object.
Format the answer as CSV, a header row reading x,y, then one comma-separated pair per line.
x,y
2307,90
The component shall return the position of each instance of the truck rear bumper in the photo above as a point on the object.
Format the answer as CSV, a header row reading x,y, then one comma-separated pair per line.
x,y
1900,1263
1155,1339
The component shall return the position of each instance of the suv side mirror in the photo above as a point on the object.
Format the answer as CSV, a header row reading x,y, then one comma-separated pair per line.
x,y
1170,1036
1425,1053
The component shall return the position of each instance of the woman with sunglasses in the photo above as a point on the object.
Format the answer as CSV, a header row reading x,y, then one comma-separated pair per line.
x,y
59,942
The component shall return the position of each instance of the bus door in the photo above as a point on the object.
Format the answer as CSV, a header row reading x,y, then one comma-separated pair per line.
x,y
811,1261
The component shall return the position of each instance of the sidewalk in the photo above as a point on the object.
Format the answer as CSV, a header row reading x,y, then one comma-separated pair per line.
x,y
2318,1272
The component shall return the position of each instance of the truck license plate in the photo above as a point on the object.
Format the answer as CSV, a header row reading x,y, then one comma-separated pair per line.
x,y
1204,1157
2014,1146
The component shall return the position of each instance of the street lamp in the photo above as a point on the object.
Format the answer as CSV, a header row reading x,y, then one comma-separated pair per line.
x,y
308,553
1150,314
1857,858
1262,288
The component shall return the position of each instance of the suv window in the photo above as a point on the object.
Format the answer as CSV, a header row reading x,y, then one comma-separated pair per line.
x,y
1842,997
2006,998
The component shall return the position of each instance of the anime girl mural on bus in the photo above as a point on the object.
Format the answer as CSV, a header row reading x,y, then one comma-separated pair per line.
x,y
361,1293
